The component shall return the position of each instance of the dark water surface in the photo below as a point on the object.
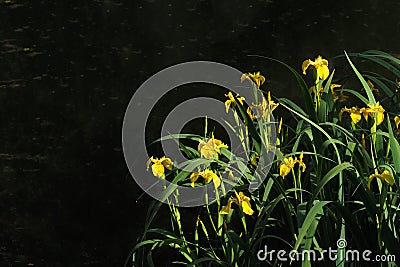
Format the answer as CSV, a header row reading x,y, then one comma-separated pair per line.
x,y
68,70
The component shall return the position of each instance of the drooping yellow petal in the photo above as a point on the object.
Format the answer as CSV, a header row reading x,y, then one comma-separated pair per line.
x,y
355,117
158,169
194,177
355,114
230,101
397,121
227,105
305,65
209,176
379,118
366,112
323,72
167,163
227,208
244,203
247,208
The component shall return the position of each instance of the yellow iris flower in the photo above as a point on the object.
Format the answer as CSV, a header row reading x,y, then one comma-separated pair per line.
x,y
288,164
355,114
159,165
208,176
212,146
256,77
385,177
378,110
320,64
232,100
241,200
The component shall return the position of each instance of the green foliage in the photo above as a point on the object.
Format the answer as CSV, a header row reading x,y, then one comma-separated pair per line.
x,y
326,183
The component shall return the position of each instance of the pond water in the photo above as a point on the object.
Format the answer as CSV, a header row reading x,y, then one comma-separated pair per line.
x,y
68,70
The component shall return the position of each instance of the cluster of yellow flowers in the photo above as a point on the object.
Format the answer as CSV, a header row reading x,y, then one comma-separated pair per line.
x,y
210,148
371,110
288,164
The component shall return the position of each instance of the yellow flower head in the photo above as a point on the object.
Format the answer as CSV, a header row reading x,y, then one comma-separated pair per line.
x,y
208,176
241,200
397,121
159,165
355,114
378,110
256,77
320,64
232,100
209,149
288,164
385,177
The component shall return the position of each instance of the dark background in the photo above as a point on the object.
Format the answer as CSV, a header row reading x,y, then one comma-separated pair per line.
x,y
68,70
